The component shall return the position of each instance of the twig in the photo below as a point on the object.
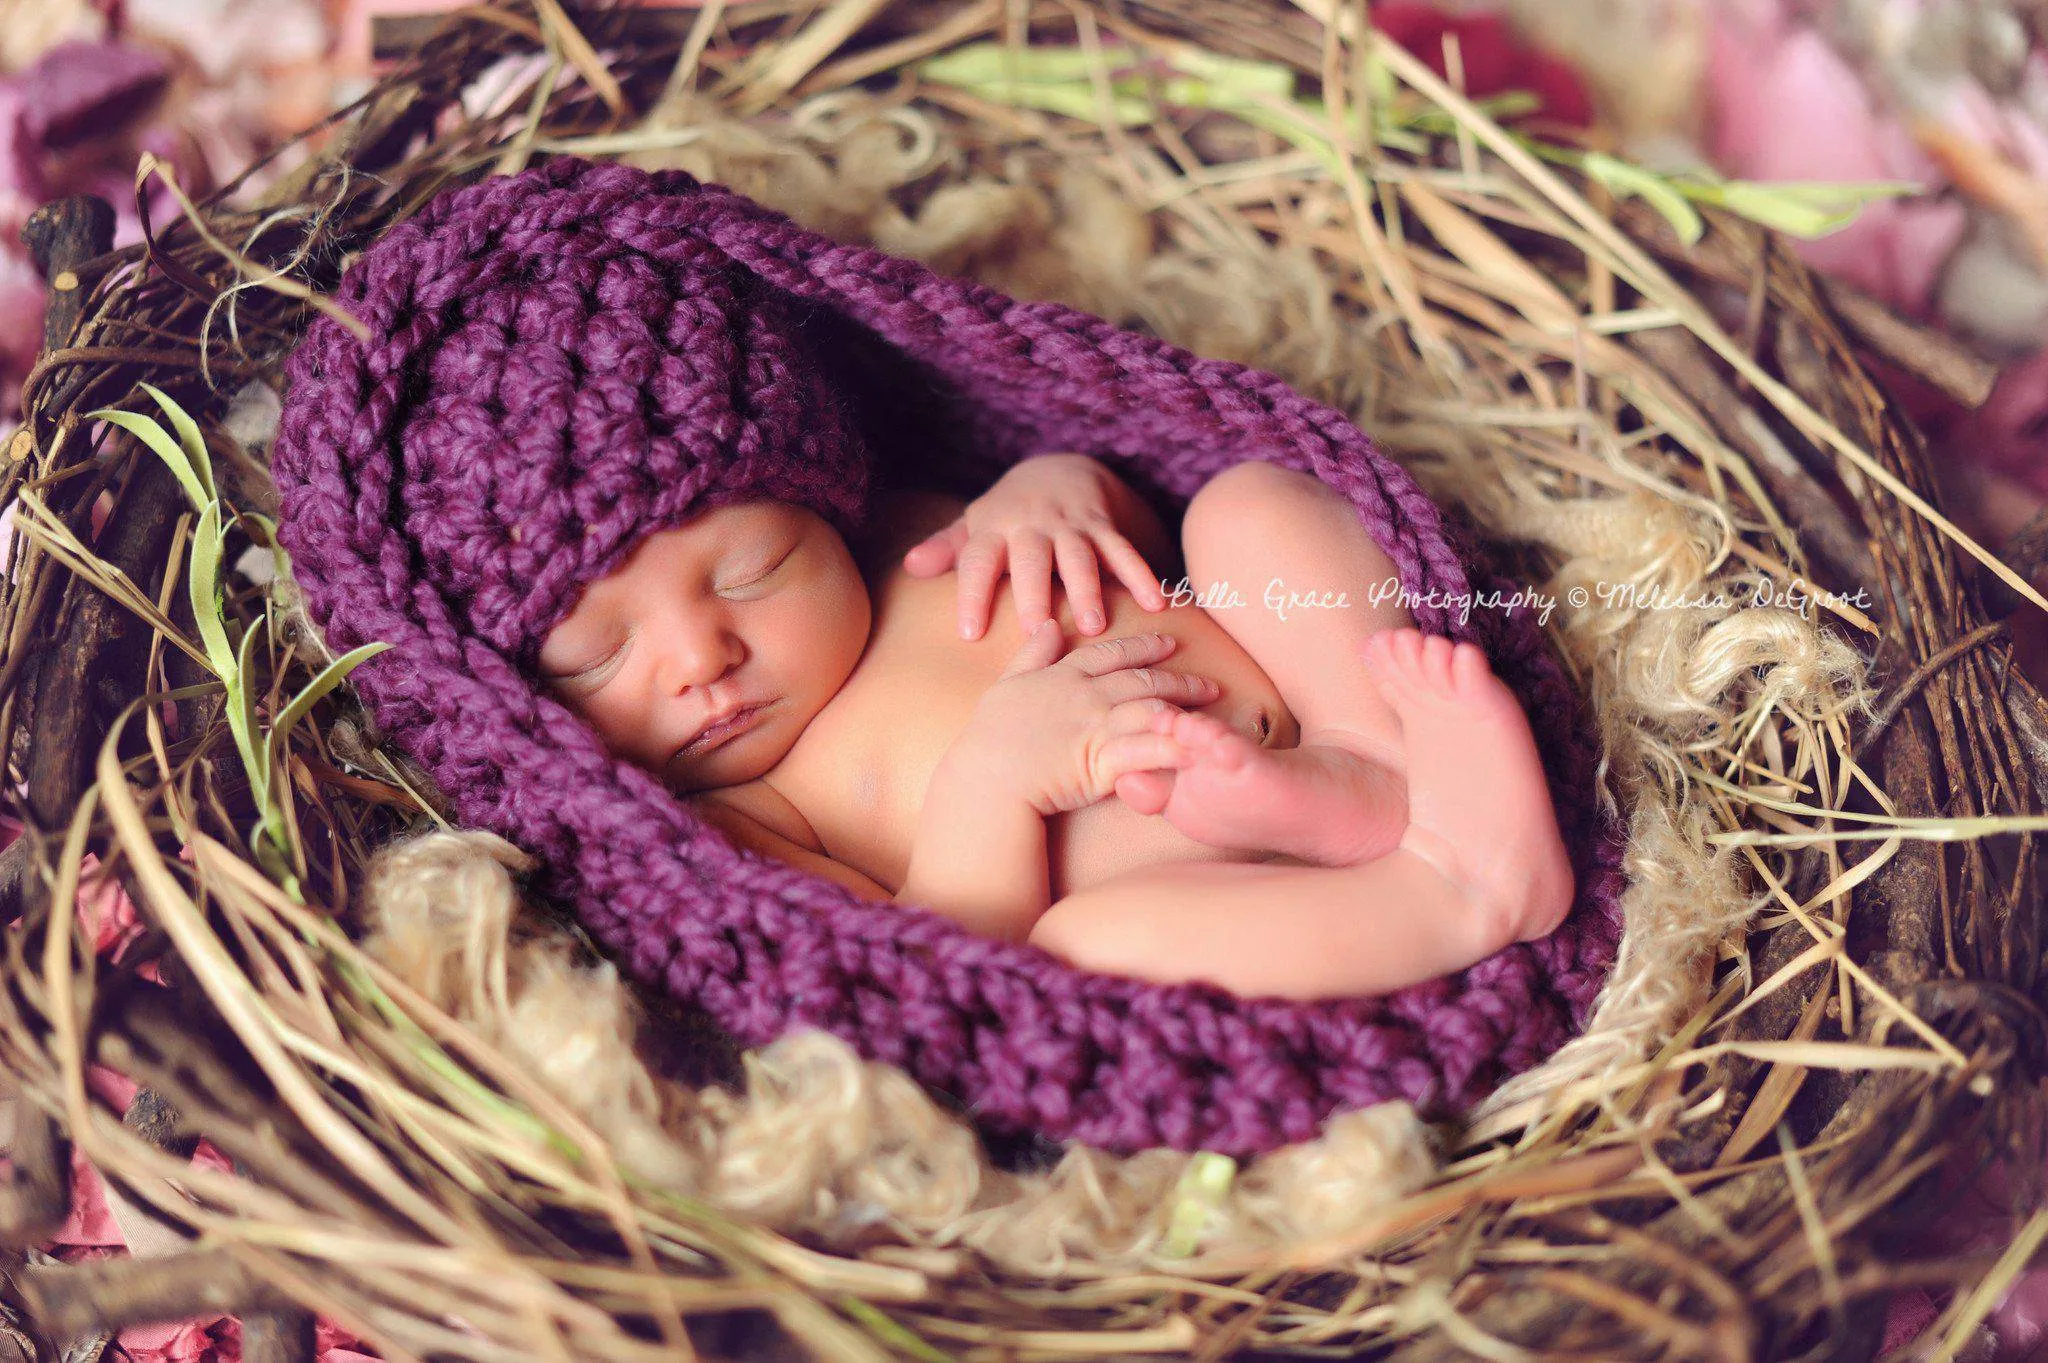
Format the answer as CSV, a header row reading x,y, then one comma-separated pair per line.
x,y
1928,354
1917,678
112,1294
1825,529
285,1336
63,235
1726,256
38,1198
14,862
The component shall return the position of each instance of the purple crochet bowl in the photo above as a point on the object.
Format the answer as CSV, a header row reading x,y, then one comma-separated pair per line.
x,y
566,360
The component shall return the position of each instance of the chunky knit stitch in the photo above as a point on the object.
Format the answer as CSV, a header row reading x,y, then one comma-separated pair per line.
x,y
566,360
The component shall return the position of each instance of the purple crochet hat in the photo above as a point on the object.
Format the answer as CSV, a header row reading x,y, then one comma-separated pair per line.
x,y
566,360
543,393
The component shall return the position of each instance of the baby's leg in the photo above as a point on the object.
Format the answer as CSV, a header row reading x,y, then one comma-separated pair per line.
x,y
1479,865
1278,538
1264,929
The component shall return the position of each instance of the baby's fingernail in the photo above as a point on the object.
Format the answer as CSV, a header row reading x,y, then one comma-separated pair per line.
x,y
967,629
1091,620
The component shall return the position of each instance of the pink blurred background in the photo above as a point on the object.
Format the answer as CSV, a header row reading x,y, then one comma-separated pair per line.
x,y
1949,95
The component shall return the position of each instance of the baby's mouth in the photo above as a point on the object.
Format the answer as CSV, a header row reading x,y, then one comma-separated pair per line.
x,y
740,721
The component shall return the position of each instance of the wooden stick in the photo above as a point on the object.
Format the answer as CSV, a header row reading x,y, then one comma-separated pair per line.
x,y
1725,257
284,1336
112,1294
62,235
1824,526
34,1203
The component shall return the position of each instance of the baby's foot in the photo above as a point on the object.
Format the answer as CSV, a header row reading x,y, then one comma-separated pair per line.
x,y
1321,805
1478,808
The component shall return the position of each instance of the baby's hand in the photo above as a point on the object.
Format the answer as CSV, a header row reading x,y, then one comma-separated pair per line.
x,y
1050,507
1057,731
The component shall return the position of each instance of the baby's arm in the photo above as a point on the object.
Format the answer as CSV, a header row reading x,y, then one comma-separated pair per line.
x,y
1053,734
979,855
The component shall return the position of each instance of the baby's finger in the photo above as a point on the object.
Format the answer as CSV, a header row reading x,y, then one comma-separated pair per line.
x,y
981,563
936,552
1130,753
1187,688
1105,656
1041,648
1083,581
1131,569
1031,577
1146,714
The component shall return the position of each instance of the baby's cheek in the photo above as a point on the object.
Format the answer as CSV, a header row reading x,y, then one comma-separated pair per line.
x,y
605,733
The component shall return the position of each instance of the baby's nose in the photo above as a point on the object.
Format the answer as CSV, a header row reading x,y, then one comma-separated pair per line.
x,y
699,654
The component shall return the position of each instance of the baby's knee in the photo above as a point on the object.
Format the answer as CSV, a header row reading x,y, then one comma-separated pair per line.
x,y
1245,491
1243,507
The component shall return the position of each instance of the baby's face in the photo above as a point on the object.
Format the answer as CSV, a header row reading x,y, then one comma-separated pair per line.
x,y
751,604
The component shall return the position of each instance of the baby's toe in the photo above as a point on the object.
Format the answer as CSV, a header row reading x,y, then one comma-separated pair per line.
x,y
1391,654
1145,791
1220,745
1469,668
1436,661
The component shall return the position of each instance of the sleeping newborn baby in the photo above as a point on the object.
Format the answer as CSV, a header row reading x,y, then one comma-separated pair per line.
x,y
1284,790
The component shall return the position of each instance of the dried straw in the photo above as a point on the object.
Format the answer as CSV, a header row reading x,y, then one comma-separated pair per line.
x,y
454,1130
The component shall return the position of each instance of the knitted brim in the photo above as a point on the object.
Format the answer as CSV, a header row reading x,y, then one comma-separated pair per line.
x,y
950,382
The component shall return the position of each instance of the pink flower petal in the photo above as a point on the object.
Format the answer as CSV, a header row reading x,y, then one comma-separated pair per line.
x,y
185,1341
2010,431
104,909
1893,251
79,88
90,1223
110,1086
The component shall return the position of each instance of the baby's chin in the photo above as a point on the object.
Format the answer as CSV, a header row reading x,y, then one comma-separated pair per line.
x,y
747,758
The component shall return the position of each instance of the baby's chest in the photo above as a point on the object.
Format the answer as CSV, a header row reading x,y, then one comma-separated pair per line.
x,y
861,770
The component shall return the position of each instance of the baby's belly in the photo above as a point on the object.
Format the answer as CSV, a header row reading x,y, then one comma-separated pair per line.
x,y
866,760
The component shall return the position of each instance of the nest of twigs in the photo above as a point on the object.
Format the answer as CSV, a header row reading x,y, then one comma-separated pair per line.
x,y
456,1135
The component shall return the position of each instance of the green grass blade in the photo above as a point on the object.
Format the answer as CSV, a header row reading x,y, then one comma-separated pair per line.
x,y
992,65
329,678
1625,179
206,600
1203,1186
278,556
1237,75
189,438
889,1331
1798,207
159,439
242,719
